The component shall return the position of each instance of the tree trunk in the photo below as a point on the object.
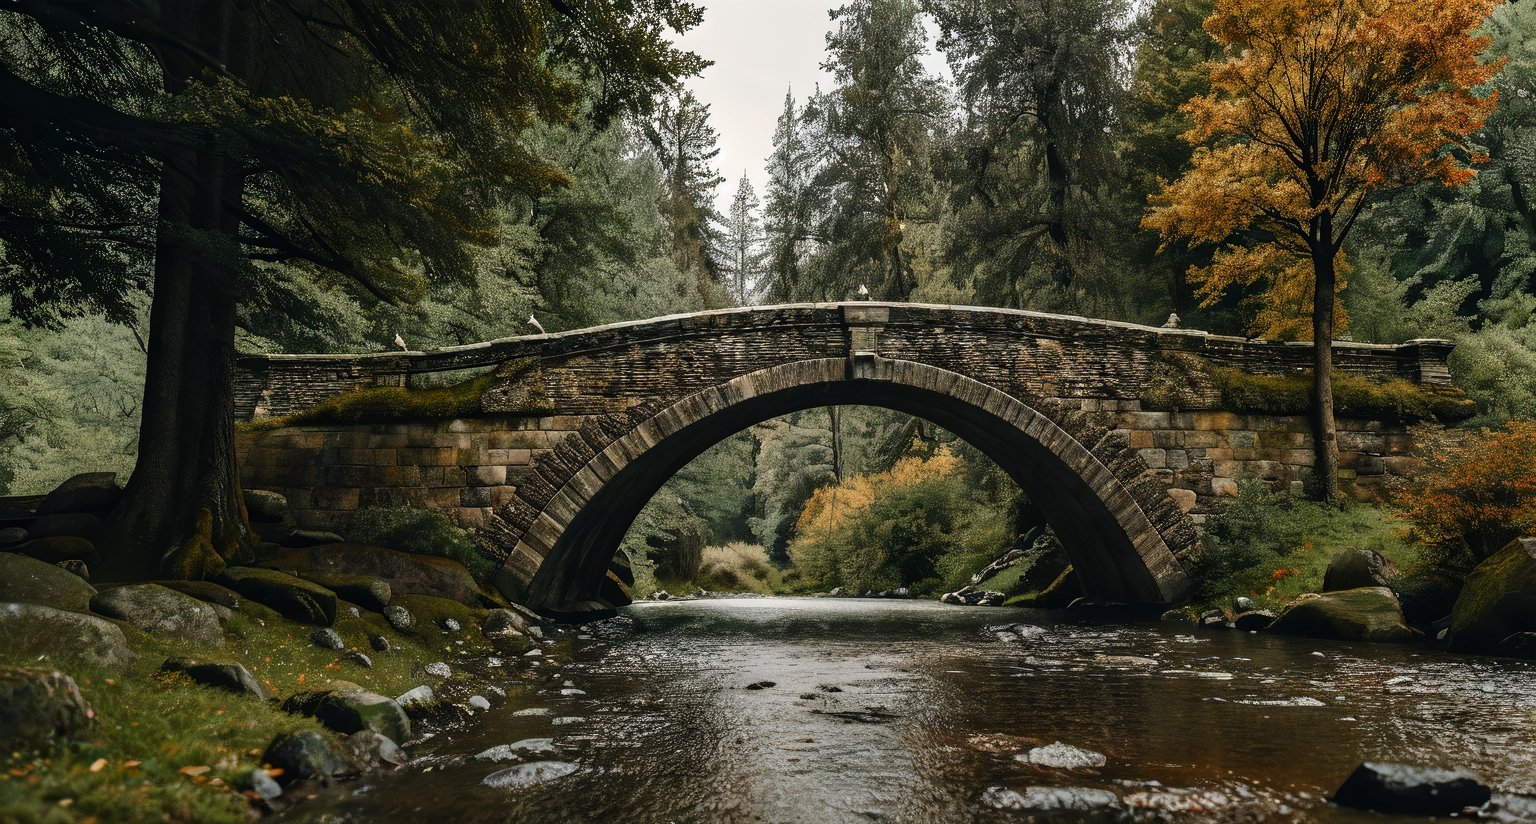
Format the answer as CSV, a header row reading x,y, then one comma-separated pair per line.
x,y
1325,439
182,513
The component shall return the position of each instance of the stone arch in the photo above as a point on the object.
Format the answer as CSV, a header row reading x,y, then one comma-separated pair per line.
x,y
1122,537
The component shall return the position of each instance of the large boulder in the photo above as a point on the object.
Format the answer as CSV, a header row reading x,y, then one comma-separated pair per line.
x,y
349,711
1356,568
407,574
229,677
89,492
264,506
205,591
38,707
60,548
63,523
1364,614
366,592
302,755
155,609
1418,791
39,630
1497,600
26,580
293,598
11,536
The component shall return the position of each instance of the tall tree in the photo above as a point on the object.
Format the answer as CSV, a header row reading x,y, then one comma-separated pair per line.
x,y
787,214
743,242
872,143
686,145
1317,105
353,143
1040,85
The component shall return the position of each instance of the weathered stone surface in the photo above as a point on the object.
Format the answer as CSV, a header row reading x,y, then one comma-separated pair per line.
x,y
405,573
38,708
230,677
311,537
351,711
89,492
153,608
26,580
59,548
400,618
303,755
1355,568
1253,620
366,592
1400,788
367,750
56,633
63,523
206,591
326,638
1497,600
265,506
11,536
527,775
293,598
1364,614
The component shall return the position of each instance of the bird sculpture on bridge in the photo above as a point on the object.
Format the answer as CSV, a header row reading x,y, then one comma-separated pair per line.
x,y
534,322
863,292
400,342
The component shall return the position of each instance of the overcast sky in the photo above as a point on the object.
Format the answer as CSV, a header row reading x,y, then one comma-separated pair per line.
x,y
760,48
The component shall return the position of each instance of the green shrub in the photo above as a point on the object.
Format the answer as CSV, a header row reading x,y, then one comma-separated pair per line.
x,y
422,531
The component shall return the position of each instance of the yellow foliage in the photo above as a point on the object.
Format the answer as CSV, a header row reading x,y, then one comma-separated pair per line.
x,y
833,506
1316,105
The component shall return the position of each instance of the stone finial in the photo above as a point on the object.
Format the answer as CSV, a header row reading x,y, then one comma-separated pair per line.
x,y
1172,322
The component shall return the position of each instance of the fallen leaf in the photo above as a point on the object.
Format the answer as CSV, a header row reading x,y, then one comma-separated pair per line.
x,y
197,770
98,765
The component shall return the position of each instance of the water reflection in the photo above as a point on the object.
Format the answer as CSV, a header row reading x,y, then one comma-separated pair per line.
x,y
915,711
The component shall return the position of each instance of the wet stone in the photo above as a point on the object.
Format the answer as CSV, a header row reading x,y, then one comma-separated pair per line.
x,y
527,775
1403,788
327,638
479,702
304,755
450,624
438,669
1076,799
1062,756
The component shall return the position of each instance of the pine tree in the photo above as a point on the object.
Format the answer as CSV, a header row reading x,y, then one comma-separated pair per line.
x,y
686,146
742,244
787,214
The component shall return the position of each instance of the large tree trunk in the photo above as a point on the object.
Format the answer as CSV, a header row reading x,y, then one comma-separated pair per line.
x,y
1325,438
182,513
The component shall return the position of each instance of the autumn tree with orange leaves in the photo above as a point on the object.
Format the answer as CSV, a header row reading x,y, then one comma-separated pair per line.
x,y
1317,105
1478,491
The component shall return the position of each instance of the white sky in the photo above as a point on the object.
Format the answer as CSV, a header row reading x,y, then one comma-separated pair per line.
x,y
760,48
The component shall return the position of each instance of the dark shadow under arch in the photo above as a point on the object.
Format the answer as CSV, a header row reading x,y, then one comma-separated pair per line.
x,y
1118,553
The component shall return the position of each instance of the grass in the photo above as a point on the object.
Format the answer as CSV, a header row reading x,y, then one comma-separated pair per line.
x,y
734,567
150,726
1273,547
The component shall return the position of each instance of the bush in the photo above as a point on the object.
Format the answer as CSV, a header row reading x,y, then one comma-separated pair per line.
x,y
422,531
737,567
1477,490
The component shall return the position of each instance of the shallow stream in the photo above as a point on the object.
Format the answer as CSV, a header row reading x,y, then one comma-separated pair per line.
x,y
909,711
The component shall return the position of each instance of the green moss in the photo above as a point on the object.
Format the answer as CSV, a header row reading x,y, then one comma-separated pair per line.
x,y
388,404
1178,373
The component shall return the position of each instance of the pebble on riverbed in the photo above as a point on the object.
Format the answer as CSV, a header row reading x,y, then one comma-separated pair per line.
x,y
526,775
1062,756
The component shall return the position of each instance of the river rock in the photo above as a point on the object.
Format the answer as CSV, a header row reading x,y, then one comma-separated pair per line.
x,y
11,536
400,618
161,611
87,492
504,626
63,523
1244,604
379,643
59,548
1062,756
438,669
293,598
369,593
327,638
1400,788
206,591
515,750
527,775
407,574
368,750
418,699
39,707
359,659
265,786
40,630
302,755
1075,799
353,710
1364,614
1497,600
230,677
1254,620
26,580
1356,568
265,506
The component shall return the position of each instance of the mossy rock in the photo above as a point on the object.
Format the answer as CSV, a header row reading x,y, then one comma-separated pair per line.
x,y
39,707
265,506
206,591
1061,592
353,710
59,548
1497,600
368,593
33,629
1364,614
406,573
294,598
88,492
156,609
430,612
26,580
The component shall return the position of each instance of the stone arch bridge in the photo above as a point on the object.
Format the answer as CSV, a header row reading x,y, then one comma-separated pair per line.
x,y
547,446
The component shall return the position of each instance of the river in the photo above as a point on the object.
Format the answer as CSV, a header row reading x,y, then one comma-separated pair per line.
x,y
911,711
